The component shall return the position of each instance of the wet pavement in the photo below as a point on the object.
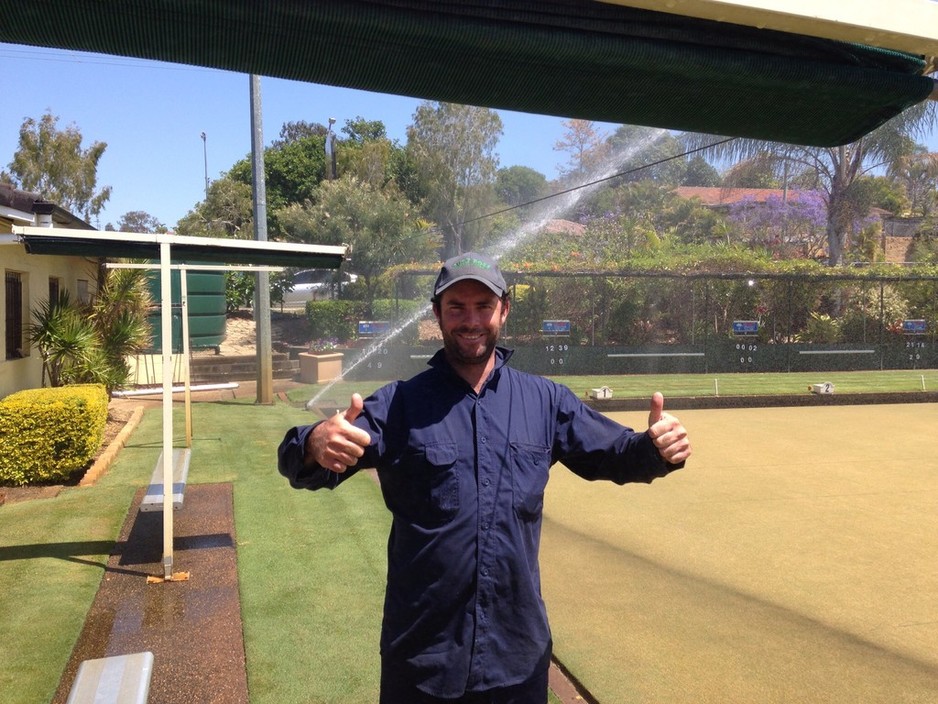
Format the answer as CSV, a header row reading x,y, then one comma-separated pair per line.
x,y
193,627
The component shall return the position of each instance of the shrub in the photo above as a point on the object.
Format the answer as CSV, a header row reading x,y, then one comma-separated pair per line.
x,y
821,328
46,435
334,319
338,319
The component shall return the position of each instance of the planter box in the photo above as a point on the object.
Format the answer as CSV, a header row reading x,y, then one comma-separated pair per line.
x,y
320,368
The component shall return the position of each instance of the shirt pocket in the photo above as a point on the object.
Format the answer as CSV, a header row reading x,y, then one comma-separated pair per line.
x,y
530,467
423,485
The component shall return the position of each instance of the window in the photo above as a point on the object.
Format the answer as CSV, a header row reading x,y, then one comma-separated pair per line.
x,y
14,315
54,287
84,291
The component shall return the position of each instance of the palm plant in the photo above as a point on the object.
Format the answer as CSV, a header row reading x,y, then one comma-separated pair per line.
x,y
64,337
90,344
119,316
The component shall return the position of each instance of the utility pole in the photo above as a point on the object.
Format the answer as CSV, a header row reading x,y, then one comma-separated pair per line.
x,y
265,372
205,159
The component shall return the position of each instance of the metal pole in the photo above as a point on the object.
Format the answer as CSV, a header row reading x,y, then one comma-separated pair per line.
x,y
166,328
184,298
205,159
330,151
265,372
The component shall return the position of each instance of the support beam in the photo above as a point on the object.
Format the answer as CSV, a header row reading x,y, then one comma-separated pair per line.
x,y
902,25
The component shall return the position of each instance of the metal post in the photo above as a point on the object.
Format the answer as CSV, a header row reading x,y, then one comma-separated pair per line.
x,y
330,151
166,327
184,298
265,372
205,159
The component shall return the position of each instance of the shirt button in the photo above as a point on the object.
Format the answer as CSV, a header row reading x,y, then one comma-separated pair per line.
x,y
485,571
486,482
485,526
484,440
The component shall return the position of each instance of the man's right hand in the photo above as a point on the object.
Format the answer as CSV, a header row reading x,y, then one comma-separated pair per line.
x,y
336,444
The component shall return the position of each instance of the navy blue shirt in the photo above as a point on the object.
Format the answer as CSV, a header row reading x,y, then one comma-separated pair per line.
x,y
464,476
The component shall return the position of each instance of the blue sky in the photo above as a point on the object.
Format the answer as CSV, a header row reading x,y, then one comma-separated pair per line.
x,y
151,115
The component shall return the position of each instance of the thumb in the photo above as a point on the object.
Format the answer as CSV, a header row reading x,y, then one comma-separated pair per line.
x,y
657,406
355,408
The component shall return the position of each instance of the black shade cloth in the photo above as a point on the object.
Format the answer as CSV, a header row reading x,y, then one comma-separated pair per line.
x,y
570,58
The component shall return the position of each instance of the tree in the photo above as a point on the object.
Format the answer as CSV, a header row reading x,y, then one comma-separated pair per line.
x,y
360,130
380,225
586,146
917,173
648,153
518,185
296,131
836,170
368,154
137,221
701,172
453,149
786,229
227,212
51,162
758,171
292,170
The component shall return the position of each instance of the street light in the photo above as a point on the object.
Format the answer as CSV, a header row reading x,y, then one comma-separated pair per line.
x,y
330,151
205,158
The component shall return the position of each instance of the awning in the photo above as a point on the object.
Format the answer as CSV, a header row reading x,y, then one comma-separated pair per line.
x,y
184,250
168,250
569,58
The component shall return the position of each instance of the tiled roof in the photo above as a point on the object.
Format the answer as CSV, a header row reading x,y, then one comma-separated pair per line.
x,y
714,197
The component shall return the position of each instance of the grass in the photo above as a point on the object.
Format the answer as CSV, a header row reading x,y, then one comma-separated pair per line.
x,y
311,564
52,557
643,385
791,560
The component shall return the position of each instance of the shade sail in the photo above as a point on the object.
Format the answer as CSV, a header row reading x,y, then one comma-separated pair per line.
x,y
189,250
568,58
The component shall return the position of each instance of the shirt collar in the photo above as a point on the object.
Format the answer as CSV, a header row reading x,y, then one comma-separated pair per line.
x,y
502,355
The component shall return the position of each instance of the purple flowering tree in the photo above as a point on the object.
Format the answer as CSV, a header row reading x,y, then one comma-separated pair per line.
x,y
789,229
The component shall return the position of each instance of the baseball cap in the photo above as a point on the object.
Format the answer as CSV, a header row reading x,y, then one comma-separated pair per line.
x,y
470,265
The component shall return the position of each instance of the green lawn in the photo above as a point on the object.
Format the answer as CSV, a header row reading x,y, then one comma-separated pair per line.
x,y
311,564
642,385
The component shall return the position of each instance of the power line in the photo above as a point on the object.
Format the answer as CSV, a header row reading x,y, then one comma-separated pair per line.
x,y
600,180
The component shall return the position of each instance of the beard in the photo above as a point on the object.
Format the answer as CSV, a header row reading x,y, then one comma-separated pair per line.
x,y
477,352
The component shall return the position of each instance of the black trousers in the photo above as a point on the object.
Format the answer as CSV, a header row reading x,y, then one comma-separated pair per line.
x,y
532,691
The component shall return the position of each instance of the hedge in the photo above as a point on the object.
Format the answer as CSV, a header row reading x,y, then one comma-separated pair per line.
x,y
46,435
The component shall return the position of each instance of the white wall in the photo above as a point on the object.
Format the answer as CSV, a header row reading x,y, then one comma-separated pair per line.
x,y
36,269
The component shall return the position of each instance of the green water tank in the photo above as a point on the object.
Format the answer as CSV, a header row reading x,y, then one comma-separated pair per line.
x,y
206,301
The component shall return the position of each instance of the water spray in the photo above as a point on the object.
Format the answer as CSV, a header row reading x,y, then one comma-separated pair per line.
x,y
559,203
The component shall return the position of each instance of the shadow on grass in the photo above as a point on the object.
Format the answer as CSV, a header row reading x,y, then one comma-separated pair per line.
x,y
143,547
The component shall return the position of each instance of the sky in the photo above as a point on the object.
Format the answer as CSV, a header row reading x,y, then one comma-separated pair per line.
x,y
152,115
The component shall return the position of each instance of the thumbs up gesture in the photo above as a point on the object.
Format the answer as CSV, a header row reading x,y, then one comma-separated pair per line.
x,y
666,431
336,444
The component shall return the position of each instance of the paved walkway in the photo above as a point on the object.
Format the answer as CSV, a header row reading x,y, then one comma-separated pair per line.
x,y
193,628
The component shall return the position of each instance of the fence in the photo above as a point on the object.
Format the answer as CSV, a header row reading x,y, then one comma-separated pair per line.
x,y
601,323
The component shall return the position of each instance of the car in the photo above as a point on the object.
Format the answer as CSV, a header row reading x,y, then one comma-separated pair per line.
x,y
315,285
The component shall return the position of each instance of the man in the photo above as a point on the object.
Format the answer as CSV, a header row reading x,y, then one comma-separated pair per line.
x,y
463,452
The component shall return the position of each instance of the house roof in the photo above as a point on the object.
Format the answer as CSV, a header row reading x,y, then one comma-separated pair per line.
x,y
21,207
570,58
717,197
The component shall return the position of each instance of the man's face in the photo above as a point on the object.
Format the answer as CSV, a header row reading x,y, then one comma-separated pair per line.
x,y
470,318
